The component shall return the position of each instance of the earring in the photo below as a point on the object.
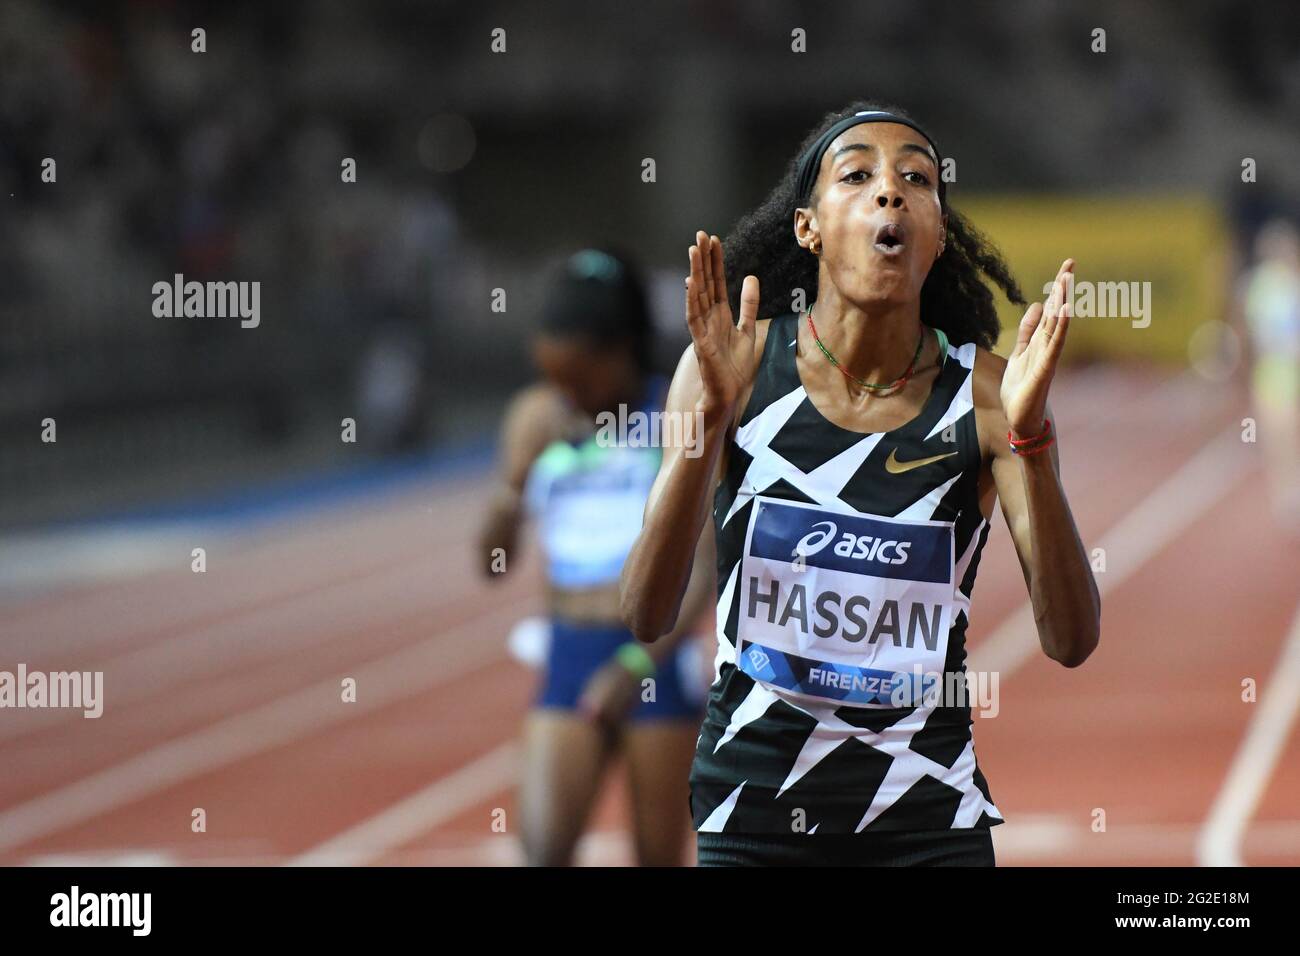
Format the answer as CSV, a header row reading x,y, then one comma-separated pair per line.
x,y
814,247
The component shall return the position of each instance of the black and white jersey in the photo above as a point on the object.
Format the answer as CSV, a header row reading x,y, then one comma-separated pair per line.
x,y
846,562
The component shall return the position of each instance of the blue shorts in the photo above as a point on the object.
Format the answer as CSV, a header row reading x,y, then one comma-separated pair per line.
x,y
577,651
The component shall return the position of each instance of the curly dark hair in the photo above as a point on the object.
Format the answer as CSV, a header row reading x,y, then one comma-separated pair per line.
x,y
954,297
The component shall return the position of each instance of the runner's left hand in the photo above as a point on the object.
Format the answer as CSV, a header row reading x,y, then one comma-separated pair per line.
x,y
1033,361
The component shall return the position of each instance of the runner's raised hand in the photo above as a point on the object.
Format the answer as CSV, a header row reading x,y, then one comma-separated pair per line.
x,y
1032,364
724,349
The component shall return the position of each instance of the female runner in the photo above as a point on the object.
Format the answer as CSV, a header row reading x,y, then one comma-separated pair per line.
x,y
852,452
602,690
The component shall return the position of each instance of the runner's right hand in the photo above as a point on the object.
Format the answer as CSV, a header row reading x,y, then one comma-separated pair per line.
x,y
724,349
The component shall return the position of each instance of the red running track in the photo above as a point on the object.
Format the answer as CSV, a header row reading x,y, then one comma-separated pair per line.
x,y
223,689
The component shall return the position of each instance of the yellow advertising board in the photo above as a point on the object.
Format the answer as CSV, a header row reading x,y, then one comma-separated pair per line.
x,y
1149,270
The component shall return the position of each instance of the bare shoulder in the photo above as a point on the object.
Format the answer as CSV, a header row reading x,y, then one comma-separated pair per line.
x,y
537,406
534,418
987,378
988,368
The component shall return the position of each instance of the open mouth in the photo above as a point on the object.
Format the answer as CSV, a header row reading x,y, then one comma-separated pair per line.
x,y
889,240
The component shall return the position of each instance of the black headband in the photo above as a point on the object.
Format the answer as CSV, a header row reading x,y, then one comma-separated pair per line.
x,y
811,161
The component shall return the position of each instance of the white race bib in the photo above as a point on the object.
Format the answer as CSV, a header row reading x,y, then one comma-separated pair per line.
x,y
843,606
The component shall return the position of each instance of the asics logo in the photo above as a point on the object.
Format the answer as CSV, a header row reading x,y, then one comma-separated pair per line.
x,y
856,546
816,539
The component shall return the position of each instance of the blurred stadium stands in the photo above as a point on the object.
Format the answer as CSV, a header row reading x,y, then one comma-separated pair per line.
x,y
475,169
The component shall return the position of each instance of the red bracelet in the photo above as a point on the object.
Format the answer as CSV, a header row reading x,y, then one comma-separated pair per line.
x,y
1017,442
1033,451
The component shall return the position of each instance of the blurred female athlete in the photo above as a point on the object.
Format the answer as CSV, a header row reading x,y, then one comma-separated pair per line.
x,y
602,690
853,451
1271,307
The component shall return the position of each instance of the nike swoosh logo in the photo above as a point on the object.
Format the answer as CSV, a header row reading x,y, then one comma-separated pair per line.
x,y
896,467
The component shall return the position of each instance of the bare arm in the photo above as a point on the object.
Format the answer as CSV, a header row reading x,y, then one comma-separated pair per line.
x,y
713,373
659,566
1067,604
700,595
530,424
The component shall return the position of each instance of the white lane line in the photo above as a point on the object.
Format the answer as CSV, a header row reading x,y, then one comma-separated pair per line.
x,y
1135,539
253,639
394,677
1220,842
55,560
442,800
255,567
